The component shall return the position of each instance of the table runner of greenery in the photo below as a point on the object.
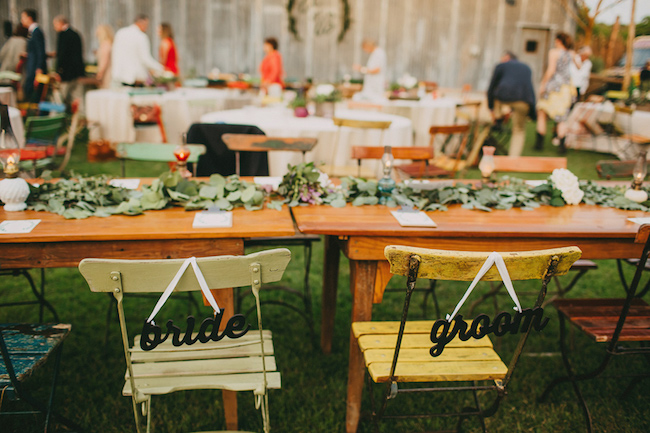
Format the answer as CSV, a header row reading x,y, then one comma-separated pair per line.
x,y
81,197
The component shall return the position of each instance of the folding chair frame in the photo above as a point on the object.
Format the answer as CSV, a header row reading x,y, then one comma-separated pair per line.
x,y
392,388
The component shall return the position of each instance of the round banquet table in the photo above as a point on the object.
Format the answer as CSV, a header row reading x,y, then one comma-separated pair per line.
x,y
423,113
280,122
111,109
17,125
8,96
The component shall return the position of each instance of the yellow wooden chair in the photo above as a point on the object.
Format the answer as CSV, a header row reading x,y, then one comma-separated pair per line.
x,y
242,364
396,353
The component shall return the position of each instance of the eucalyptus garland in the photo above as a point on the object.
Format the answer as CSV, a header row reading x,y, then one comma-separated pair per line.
x,y
346,21
82,197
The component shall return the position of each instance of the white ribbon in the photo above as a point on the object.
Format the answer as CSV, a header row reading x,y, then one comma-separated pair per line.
x,y
493,258
174,282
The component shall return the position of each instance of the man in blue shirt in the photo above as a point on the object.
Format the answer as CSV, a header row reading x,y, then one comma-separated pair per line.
x,y
512,86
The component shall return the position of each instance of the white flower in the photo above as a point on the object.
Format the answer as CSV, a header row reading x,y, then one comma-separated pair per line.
x,y
573,196
407,81
324,180
324,89
568,184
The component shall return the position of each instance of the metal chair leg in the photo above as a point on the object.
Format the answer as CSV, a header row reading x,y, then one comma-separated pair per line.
x,y
40,295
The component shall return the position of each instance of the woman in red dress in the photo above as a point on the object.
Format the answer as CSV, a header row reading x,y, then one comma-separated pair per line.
x,y
167,50
271,67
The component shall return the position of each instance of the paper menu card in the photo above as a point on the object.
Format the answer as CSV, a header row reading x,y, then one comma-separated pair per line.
x,y
212,220
640,220
273,181
125,183
413,219
17,226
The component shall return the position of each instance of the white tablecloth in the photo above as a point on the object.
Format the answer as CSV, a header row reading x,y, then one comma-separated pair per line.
x,y
590,114
180,108
8,96
280,122
17,125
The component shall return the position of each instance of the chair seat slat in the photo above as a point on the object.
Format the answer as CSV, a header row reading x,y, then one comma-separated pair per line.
x,y
230,382
203,367
442,371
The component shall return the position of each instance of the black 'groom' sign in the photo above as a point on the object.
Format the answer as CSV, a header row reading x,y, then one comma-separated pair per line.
x,y
442,331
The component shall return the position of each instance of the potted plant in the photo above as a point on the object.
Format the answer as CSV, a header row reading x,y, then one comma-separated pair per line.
x,y
299,105
326,96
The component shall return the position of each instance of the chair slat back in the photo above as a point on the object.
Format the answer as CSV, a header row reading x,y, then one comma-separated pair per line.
x,y
449,129
362,124
262,143
153,276
464,265
415,153
528,164
156,152
44,129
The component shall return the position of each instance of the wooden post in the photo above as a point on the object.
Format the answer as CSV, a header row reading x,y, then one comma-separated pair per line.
x,y
330,288
609,61
630,52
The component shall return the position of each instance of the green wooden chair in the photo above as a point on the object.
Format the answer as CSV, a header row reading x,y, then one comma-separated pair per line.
x,y
42,142
243,364
155,152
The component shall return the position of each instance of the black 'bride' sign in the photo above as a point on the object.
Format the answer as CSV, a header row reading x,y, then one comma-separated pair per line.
x,y
208,331
442,331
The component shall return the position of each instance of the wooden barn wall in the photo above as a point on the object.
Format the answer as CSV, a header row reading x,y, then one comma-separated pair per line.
x,y
453,42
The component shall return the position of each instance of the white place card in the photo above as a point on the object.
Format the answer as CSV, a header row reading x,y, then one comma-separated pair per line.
x,y
640,220
125,183
273,181
413,219
9,227
534,183
212,220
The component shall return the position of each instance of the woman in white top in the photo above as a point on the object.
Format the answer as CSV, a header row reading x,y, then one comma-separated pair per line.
x,y
104,35
374,73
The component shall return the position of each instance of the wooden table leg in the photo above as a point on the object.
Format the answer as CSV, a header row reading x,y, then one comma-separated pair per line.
x,y
362,282
225,300
330,287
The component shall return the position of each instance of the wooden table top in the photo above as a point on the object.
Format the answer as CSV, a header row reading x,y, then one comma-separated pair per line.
x,y
174,223
582,221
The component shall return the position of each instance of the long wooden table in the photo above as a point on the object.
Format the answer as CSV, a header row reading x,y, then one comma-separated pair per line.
x,y
160,234
362,233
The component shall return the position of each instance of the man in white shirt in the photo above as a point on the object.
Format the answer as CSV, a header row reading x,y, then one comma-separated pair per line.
x,y
374,73
581,70
131,56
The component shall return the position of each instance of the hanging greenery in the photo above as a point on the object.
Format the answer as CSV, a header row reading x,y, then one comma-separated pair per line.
x,y
346,21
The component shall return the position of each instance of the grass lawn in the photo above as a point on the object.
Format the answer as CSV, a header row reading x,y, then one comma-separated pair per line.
x,y
313,392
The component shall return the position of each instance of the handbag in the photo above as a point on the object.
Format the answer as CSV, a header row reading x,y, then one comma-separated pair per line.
x,y
152,336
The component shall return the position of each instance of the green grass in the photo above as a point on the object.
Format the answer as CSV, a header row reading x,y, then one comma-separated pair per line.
x,y
313,392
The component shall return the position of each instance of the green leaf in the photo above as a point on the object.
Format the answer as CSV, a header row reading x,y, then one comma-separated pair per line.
x,y
339,202
233,196
275,204
557,202
248,194
208,191
223,204
359,201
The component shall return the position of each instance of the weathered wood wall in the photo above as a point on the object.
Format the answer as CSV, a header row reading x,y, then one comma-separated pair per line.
x,y
453,42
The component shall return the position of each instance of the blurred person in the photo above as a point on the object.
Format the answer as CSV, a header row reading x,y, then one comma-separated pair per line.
x,y
644,77
374,73
10,54
271,69
36,62
512,86
581,71
167,51
131,56
104,34
556,91
69,60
